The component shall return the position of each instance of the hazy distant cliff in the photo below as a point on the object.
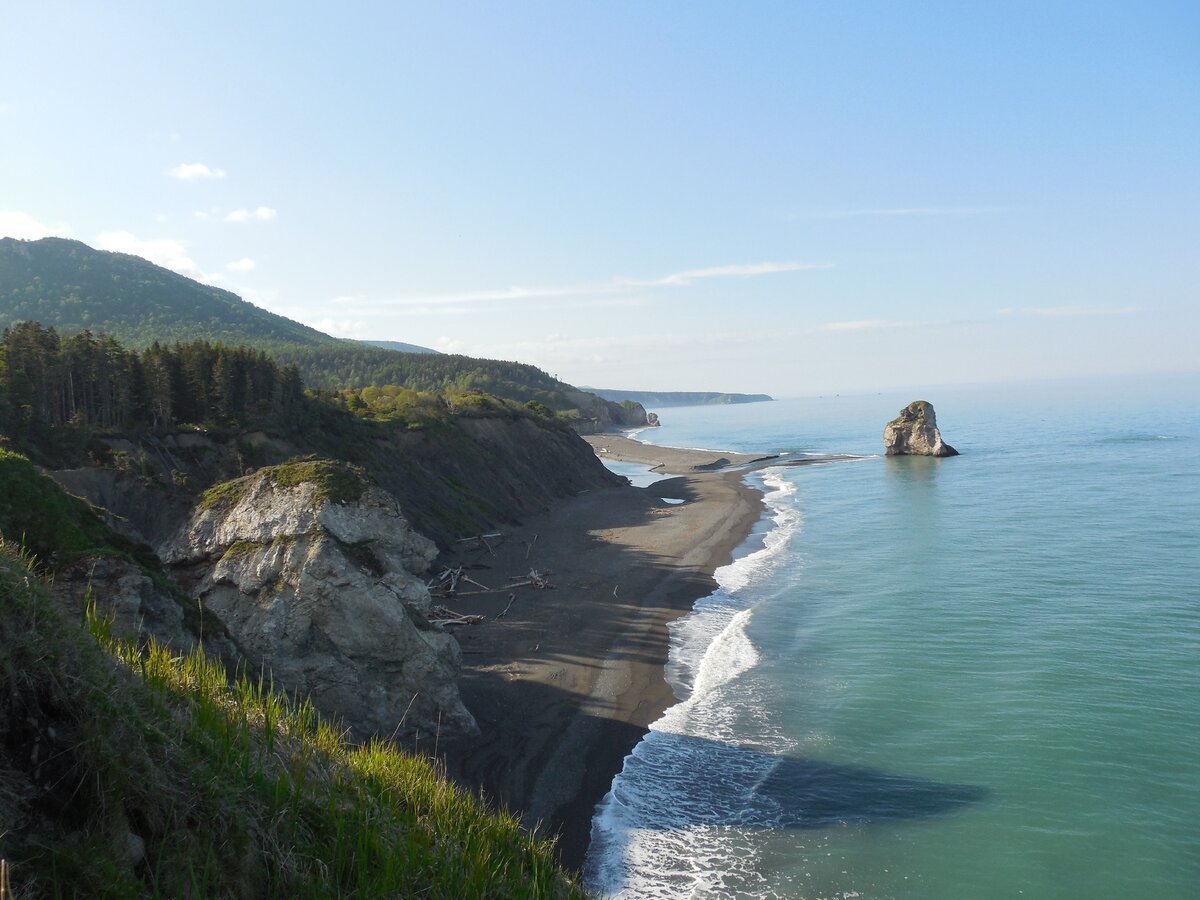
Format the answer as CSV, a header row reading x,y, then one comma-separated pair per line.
x,y
680,398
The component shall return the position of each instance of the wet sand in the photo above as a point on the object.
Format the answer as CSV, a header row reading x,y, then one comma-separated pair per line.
x,y
565,684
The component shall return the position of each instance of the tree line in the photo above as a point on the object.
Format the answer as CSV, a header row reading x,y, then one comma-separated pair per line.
x,y
93,381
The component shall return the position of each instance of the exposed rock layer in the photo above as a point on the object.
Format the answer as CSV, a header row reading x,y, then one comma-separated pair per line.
x,y
915,433
324,596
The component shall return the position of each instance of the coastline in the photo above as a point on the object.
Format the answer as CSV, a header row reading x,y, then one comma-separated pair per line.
x,y
567,682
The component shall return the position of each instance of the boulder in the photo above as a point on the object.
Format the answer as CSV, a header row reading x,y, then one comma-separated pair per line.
x,y
915,433
316,579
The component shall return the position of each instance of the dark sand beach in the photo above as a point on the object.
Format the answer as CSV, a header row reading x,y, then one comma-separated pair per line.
x,y
565,684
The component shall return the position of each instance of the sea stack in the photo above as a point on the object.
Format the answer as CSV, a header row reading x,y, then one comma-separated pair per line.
x,y
915,433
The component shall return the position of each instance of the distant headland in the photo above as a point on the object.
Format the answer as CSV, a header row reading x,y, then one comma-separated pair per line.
x,y
679,398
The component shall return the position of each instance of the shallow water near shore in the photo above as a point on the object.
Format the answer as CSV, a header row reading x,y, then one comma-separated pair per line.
x,y
977,676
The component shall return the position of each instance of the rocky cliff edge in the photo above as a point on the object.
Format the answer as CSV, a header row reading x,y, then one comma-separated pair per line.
x,y
313,569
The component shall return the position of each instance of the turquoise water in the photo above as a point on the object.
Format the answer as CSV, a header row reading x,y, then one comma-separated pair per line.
x,y
972,677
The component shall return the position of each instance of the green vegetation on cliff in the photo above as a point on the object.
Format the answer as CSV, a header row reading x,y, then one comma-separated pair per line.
x,y
51,525
135,772
332,479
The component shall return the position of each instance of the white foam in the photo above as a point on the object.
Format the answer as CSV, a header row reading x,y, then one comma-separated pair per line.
x,y
649,835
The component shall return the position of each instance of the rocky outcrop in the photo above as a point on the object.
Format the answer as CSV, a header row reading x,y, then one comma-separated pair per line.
x,y
313,569
915,433
652,420
139,606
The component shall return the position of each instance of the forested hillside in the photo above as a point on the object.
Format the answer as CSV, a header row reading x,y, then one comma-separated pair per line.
x,y
73,288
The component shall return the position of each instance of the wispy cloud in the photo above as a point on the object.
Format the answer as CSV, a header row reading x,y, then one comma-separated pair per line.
x,y
897,211
744,270
1068,311
166,252
347,328
258,214
195,172
20,225
245,264
617,284
865,325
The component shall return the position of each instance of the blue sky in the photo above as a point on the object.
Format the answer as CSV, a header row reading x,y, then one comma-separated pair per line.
x,y
795,198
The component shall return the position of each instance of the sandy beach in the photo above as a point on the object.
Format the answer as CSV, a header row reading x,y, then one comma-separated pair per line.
x,y
565,684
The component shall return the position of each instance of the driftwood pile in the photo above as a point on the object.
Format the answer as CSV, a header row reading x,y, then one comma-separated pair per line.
x,y
443,616
450,583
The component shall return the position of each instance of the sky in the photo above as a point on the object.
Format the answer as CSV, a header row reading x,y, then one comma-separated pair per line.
x,y
794,198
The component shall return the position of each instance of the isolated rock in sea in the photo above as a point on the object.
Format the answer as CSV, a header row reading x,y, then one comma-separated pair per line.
x,y
652,419
313,571
915,433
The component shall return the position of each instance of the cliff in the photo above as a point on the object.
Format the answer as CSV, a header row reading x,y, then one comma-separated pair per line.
x,y
453,478
314,571
598,414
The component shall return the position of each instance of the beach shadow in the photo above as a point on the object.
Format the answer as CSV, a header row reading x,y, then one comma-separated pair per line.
x,y
698,782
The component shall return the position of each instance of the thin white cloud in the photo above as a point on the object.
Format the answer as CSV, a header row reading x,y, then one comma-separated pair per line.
x,y
1069,311
166,252
20,225
864,325
258,214
348,328
450,345
245,264
613,285
195,172
896,211
690,276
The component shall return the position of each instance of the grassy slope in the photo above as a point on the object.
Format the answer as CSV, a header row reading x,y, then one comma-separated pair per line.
x,y
49,523
128,773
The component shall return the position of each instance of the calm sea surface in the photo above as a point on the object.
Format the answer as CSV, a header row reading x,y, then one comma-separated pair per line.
x,y
965,678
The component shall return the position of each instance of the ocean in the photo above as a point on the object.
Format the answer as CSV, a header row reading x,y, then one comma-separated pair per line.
x,y
972,677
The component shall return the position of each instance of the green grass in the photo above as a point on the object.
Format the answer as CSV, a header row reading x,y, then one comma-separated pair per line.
x,y
232,789
337,481
51,524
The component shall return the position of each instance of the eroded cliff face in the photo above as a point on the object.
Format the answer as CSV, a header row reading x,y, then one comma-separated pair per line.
x,y
313,570
598,414
915,433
